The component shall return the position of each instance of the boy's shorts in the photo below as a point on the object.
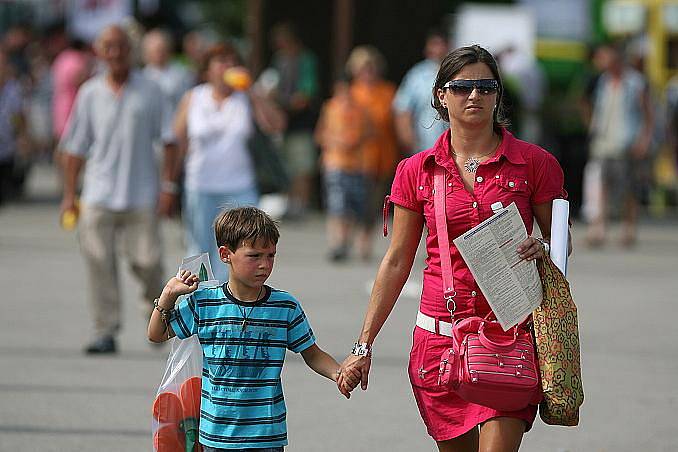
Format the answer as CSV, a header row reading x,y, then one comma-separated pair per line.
x,y
265,449
346,194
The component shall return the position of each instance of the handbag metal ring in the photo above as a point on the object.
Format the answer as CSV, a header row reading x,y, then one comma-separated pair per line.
x,y
450,298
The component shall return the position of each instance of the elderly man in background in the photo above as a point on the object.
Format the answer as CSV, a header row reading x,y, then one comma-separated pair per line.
x,y
118,118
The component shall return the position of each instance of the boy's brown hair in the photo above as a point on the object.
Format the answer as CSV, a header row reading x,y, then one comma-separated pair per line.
x,y
235,227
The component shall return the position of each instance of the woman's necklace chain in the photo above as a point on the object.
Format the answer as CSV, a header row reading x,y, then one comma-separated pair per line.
x,y
245,318
471,164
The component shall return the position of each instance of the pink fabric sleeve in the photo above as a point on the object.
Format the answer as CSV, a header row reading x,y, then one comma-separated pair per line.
x,y
547,178
403,190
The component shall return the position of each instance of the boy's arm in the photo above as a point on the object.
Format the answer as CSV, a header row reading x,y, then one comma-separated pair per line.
x,y
321,362
158,328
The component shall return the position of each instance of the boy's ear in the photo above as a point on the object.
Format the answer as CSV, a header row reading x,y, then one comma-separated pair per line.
x,y
225,254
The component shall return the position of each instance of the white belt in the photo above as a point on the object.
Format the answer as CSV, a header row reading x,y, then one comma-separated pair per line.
x,y
434,325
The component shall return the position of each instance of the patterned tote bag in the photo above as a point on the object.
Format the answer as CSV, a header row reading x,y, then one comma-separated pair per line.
x,y
556,333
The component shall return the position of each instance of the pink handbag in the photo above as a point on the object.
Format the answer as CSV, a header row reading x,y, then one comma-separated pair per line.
x,y
485,365
491,367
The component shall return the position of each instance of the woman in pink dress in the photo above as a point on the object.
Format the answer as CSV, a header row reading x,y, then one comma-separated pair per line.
x,y
485,164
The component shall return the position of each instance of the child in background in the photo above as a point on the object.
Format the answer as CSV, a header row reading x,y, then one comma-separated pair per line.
x,y
244,328
342,128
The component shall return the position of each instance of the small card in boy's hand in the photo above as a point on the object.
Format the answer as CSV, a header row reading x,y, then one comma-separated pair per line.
x,y
199,265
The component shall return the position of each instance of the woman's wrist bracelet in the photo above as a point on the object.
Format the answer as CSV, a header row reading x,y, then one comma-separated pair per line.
x,y
362,349
546,245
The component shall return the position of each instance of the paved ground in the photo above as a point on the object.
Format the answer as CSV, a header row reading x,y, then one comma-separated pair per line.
x,y
55,399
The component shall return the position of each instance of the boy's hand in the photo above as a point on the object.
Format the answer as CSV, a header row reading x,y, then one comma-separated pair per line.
x,y
347,380
185,283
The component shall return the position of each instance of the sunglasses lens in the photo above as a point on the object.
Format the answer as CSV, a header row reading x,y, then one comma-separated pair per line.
x,y
465,87
461,89
487,86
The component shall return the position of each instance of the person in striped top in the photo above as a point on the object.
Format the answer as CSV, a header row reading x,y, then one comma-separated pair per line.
x,y
244,328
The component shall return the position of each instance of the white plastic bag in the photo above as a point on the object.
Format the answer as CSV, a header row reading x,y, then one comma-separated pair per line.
x,y
176,408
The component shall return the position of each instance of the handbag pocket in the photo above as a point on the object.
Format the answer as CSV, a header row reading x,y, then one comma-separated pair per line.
x,y
448,369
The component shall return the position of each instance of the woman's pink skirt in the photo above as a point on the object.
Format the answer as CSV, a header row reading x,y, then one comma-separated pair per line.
x,y
445,414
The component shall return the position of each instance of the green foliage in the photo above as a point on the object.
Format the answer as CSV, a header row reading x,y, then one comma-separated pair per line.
x,y
227,17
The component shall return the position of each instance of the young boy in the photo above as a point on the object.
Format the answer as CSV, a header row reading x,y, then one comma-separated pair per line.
x,y
244,328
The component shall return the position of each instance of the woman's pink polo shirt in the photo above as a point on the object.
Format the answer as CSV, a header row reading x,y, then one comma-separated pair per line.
x,y
519,172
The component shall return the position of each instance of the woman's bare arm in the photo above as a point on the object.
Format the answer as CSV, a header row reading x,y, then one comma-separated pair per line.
x,y
393,272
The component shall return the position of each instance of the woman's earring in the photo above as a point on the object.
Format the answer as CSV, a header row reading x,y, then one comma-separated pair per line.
x,y
444,104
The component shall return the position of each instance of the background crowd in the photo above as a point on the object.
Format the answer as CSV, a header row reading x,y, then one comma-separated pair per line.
x,y
338,144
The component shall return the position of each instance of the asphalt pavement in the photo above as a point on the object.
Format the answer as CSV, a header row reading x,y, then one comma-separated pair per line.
x,y
54,398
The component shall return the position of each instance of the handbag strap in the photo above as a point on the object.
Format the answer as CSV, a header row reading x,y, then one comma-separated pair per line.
x,y
439,206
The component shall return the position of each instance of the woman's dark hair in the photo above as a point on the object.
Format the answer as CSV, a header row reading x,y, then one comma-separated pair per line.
x,y
225,49
455,62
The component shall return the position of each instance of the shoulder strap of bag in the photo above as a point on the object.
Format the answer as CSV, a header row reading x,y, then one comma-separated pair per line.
x,y
439,191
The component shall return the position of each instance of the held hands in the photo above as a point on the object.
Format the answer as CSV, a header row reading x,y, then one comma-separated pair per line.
x,y
354,370
347,380
530,249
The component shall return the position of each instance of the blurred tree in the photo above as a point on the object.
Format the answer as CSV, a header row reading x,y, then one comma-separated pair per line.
x,y
227,18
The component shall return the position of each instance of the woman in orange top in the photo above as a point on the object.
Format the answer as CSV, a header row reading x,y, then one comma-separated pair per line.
x,y
379,152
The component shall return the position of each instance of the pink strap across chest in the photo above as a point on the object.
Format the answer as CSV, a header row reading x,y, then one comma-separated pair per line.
x,y
439,205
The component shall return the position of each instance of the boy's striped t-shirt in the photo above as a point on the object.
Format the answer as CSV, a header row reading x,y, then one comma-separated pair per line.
x,y
242,403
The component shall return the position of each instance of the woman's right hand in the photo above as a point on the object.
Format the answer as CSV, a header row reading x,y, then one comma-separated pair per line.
x,y
354,363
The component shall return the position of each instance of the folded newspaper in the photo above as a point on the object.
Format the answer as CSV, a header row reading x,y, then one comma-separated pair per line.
x,y
511,285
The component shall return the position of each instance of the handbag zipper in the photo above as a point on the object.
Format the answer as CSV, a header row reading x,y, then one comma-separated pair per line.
x,y
496,355
506,374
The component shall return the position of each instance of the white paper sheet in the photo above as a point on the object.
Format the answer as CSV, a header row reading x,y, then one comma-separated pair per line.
x,y
199,265
511,286
560,233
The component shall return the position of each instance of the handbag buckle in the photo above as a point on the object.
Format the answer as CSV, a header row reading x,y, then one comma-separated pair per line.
x,y
450,299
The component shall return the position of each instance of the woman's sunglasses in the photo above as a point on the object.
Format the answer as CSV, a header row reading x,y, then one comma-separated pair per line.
x,y
466,87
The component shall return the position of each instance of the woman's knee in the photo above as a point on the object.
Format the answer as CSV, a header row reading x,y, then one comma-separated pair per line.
x,y
501,434
468,442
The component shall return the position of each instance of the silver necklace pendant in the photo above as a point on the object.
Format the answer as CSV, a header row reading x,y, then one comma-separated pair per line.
x,y
243,327
471,164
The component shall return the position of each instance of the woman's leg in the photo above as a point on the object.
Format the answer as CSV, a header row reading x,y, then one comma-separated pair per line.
x,y
501,434
468,442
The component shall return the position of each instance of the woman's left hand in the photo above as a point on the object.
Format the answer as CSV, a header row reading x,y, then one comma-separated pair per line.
x,y
531,249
